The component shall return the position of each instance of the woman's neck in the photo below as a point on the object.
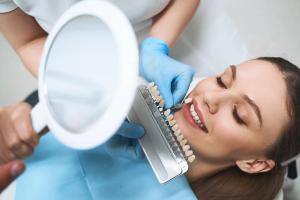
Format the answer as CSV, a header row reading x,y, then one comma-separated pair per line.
x,y
201,169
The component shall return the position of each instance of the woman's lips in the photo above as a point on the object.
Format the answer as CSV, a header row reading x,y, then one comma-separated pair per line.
x,y
187,115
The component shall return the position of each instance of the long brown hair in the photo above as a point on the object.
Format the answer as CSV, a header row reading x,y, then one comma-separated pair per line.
x,y
232,183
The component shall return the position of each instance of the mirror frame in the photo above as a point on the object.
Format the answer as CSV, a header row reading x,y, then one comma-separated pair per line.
x,y
124,93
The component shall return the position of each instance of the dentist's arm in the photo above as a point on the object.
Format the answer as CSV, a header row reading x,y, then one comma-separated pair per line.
x,y
25,36
172,77
169,24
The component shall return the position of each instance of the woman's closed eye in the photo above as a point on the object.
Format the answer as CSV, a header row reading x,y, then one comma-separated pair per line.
x,y
235,114
220,82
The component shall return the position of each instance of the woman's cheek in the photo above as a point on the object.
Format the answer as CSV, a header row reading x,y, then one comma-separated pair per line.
x,y
225,132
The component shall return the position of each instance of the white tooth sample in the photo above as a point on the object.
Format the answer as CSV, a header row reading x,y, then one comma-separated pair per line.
x,y
188,153
170,117
196,118
186,147
183,142
162,103
167,112
158,98
188,100
191,158
180,138
172,122
150,85
175,127
177,132
153,90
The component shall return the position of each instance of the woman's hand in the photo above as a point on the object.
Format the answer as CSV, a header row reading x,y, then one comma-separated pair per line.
x,y
17,137
172,77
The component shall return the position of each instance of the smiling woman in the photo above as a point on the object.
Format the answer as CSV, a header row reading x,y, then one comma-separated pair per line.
x,y
242,124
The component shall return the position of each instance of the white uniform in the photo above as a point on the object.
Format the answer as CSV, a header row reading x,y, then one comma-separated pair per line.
x,y
46,12
210,43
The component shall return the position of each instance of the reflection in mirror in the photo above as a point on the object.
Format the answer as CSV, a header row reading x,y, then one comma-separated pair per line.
x,y
81,73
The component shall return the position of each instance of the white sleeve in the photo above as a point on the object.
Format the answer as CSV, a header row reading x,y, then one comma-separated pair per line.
x,y
7,6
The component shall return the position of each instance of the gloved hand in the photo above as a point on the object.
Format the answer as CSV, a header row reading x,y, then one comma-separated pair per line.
x,y
124,143
172,77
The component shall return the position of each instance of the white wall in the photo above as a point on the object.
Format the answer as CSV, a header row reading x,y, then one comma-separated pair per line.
x,y
16,81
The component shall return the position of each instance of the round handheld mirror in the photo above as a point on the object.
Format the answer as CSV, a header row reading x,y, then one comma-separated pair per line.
x,y
88,75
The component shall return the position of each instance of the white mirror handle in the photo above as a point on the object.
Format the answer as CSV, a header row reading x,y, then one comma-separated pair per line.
x,y
38,118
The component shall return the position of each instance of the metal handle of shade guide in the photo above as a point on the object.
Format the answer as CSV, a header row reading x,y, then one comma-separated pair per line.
x,y
159,143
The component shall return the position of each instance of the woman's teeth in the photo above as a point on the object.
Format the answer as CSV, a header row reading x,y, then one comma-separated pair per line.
x,y
197,118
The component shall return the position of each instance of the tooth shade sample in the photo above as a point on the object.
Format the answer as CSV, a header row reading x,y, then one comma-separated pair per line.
x,y
175,127
186,147
161,103
177,132
172,122
180,138
188,100
151,84
189,153
183,142
167,112
191,158
170,117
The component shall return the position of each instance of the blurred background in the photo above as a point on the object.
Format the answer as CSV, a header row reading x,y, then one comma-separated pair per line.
x,y
267,27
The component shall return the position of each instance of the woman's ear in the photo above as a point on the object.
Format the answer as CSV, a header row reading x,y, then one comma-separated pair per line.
x,y
255,166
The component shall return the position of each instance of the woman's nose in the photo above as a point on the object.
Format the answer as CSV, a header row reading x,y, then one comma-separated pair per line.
x,y
215,99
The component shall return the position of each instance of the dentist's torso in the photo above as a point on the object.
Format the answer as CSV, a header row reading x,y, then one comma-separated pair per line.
x,y
47,12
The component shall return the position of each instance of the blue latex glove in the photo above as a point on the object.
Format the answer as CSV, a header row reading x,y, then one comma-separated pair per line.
x,y
124,143
172,77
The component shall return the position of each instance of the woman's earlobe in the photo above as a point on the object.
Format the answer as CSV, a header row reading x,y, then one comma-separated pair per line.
x,y
254,166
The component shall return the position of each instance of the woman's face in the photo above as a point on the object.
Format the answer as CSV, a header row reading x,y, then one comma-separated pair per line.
x,y
243,110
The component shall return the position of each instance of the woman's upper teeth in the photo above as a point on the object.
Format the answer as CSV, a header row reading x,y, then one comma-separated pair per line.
x,y
195,116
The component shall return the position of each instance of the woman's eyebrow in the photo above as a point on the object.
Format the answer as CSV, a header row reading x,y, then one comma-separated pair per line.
x,y
233,71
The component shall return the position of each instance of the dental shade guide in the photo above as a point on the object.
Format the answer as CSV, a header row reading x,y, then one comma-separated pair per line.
x,y
163,144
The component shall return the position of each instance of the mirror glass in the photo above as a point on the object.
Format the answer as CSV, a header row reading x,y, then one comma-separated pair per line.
x,y
81,73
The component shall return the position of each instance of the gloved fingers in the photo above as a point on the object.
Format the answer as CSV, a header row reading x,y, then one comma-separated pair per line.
x,y
131,130
124,147
138,151
164,87
116,145
181,85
